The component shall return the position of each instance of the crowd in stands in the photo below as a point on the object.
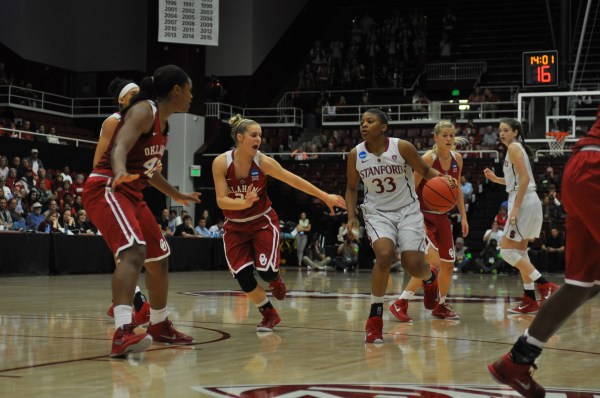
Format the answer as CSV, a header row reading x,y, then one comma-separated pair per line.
x,y
34,199
374,52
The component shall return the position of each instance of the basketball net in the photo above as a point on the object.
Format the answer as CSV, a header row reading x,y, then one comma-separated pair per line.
x,y
556,142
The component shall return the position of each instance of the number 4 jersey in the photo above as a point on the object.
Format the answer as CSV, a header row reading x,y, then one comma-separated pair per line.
x,y
388,179
144,156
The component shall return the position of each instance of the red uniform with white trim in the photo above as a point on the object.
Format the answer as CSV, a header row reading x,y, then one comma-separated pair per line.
x,y
122,216
251,235
439,230
580,192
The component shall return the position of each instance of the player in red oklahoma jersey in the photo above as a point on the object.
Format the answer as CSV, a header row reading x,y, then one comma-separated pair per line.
x,y
580,189
123,91
440,253
251,235
114,201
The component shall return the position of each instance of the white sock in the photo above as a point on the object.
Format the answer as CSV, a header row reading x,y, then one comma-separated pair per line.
x,y
407,295
265,301
535,275
532,340
376,299
442,300
158,316
123,315
137,289
529,286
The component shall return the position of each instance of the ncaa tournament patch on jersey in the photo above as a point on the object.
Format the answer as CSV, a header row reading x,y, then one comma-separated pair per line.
x,y
254,175
362,154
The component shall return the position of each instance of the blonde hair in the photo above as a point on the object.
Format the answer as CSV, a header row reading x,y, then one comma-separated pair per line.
x,y
445,124
239,125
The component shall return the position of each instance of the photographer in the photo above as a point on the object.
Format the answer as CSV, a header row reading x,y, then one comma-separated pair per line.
x,y
347,254
315,259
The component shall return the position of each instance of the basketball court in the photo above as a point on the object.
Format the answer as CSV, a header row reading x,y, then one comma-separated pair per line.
x,y
56,339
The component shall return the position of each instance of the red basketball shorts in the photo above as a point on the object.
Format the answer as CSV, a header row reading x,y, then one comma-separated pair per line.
x,y
253,243
580,192
122,217
439,234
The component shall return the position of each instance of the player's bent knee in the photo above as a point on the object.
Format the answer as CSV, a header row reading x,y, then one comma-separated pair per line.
x,y
269,275
511,256
246,279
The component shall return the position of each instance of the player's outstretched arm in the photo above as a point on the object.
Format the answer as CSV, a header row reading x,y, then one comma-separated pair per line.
x,y
159,182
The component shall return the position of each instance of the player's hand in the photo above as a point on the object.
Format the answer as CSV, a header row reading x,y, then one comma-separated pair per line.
x,y
489,174
513,216
185,198
335,201
352,224
251,195
122,177
465,227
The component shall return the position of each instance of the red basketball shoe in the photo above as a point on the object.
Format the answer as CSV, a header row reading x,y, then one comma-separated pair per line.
x,y
399,309
444,311
374,330
165,333
526,306
111,311
430,292
270,320
277,288
516,376
126,342
142,317
546,290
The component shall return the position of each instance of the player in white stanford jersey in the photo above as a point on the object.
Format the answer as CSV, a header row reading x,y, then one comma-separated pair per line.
x,y
524,219
390,209
115,204
251,237
123,91
440,252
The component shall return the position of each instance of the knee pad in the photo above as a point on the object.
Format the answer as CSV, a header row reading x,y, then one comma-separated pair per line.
x,y
246,279
525,255
511,256
269,275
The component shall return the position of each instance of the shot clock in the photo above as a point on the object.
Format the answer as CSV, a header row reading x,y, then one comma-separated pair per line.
x,y
540,68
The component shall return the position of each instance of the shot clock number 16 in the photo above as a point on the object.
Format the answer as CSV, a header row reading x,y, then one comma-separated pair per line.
x,y
540,68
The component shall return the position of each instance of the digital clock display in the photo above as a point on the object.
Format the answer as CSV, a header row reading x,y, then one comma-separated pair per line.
x,y
540,68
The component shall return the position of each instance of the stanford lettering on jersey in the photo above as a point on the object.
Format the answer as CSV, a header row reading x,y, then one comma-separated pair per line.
x,y
384,169
154,150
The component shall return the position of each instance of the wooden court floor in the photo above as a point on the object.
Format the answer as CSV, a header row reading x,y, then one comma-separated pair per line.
x,y
55,339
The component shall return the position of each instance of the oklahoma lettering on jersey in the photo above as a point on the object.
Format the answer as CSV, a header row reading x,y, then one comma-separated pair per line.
x,y
237,188
388,180
453,171
143,157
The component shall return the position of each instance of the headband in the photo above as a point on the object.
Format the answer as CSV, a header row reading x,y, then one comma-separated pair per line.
x,y
128,87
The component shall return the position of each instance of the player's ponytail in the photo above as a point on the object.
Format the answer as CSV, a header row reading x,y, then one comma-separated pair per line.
x,y
159,85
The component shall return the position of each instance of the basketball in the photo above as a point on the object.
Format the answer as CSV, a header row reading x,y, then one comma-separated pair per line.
x,y
440,194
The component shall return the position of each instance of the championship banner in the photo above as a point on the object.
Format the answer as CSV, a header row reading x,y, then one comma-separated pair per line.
x,y
189,22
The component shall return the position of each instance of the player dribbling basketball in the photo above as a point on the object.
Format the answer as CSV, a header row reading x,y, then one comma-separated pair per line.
x,y
525,216
390,209
440,254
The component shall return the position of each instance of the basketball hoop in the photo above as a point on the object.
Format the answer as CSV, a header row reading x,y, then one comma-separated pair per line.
x,y
556,142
